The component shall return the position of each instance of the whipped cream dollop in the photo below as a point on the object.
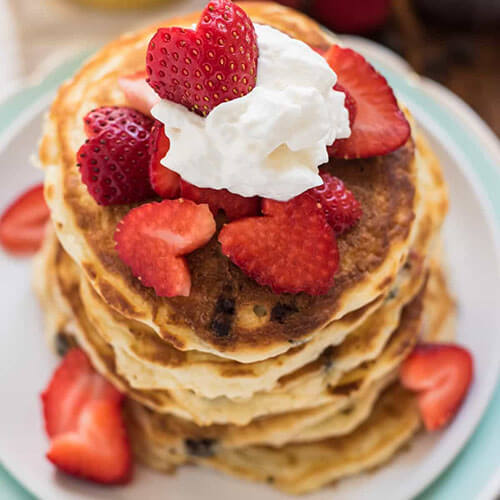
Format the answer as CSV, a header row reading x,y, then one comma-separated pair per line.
x,y
269,142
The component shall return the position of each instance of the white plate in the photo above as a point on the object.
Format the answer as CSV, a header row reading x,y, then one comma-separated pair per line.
x,y
26,364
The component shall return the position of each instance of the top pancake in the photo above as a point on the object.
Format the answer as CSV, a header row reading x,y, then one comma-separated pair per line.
x,y
263,323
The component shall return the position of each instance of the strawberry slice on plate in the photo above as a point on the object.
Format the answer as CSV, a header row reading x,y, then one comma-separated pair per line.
x,y
153,238
215,63
233,205
82,412
165,182
379,127
290,249
72,386
114,162
22,225
138,93
341,208
98,448
441,374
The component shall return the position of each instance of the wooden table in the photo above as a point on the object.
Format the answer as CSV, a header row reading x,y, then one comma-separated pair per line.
x,y
467,62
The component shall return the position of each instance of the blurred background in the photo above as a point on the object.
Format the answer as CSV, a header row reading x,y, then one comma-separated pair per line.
x,y
456,42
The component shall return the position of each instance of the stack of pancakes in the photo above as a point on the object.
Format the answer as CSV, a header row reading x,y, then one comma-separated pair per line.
x,y
294,390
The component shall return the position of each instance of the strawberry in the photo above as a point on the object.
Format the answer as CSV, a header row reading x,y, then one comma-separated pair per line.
x,y
233,205
349,103
97,449
202,68
341,208
379,126
441,374
73,385
138,93
152,239
291,249
22,224
164,181
83,420
120,117
114,164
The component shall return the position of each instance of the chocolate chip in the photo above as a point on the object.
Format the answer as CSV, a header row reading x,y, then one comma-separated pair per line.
x,y
223,316
221,326
225,305
392,294
280,312
203,447
63,343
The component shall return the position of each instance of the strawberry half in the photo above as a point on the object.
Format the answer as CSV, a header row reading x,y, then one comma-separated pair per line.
x,y
83,418
165,182
291,249
341,208
379,126
114,163
441,374
22,225
138,93
233,205
74,384
202,68
152,239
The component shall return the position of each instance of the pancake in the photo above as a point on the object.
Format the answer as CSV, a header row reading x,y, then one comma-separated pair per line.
x,y
303,467
311,386
149,362
163,441
264,324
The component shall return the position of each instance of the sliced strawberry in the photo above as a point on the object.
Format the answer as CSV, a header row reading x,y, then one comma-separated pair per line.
x,y
380,126
114,164
82,412
22,225
97,449
164,181
291,249
233,205
341,208
441,374
138,93
349,103
202,68
120,117
72,386
151,240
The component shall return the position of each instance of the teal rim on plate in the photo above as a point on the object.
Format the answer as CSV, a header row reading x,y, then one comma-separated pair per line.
x,y
479,460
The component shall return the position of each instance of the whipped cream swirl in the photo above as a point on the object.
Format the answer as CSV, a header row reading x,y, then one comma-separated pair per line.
x,y
269,142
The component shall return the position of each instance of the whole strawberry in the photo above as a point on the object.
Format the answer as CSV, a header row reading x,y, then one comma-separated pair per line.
x,y
341,208
114,161
202,68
